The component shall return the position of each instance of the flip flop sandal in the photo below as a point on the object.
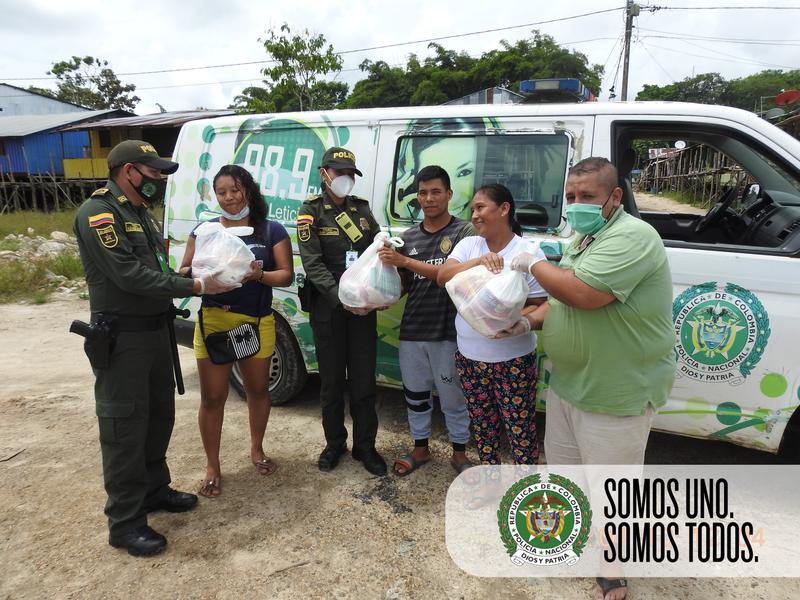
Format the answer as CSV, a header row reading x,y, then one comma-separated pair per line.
x,y
606,585
210,488
265,466
408,463
471,479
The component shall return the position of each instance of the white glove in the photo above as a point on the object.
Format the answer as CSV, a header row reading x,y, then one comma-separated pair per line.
x,y
209,284
521,327
524,262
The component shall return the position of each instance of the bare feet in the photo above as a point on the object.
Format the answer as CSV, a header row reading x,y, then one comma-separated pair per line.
x,y
266,466
211,486
615,593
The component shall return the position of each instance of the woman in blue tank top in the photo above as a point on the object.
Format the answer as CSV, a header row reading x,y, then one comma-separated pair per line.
x,y
241,204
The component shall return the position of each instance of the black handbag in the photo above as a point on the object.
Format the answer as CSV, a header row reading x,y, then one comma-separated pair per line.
x,y
235,344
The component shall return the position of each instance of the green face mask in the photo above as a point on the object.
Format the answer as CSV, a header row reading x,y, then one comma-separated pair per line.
x,y
587,219
152,190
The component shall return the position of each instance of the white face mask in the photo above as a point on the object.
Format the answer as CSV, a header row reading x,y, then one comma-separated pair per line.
x,y
236,216
342,185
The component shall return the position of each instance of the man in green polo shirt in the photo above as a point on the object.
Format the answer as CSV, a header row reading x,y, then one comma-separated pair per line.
x,y
607,328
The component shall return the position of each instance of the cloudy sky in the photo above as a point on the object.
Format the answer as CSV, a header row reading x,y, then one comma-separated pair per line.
x,y
669,44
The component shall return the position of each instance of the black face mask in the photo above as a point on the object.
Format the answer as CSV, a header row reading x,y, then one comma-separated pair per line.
x,y
152,190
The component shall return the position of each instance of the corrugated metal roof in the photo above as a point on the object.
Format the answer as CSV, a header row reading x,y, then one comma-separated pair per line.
x,y
165,119
22,125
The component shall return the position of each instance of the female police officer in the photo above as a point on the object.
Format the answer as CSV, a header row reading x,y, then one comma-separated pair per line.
x,y
333,229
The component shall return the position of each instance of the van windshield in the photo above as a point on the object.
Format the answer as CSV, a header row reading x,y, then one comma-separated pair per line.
x,y
532,165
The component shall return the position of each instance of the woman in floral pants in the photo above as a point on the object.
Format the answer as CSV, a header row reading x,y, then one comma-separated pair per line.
x,y
498,375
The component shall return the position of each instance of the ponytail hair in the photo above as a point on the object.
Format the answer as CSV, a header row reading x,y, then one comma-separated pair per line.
x,y
498,194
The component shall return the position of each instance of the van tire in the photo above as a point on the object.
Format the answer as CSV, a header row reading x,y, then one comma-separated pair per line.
x,y
287,370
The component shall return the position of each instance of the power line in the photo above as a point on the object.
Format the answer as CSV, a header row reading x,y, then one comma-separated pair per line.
x,y
670,77
381,47
681,35
655,8
745,61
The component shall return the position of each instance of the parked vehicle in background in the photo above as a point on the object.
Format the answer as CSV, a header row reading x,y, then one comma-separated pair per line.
x,y
735,259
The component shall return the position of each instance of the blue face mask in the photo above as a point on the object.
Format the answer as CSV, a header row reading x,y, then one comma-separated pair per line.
x,y
238,216
587,219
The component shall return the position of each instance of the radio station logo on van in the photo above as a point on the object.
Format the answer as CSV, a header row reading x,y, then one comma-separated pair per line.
x,y
544,522
722,332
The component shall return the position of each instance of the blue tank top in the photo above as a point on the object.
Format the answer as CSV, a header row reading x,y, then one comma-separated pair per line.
x,y
253,298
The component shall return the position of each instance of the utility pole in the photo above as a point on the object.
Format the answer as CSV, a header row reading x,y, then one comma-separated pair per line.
x,y
631,10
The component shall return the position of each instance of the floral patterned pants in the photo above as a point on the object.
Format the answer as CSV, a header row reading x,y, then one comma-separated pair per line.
x,y
501,396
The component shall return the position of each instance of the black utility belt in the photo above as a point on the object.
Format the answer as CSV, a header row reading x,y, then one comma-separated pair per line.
x,y
129,323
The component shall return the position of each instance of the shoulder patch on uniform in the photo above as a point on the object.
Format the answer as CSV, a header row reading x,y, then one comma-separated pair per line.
x,y
305,219
122,198
99,192
304,232
105,218
133,227
313,197
107,235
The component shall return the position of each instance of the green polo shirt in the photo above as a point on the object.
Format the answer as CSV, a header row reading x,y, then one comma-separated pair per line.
x,y
619,358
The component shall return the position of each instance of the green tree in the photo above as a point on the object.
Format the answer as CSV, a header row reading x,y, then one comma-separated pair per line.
x,y
383,86
90,82
448,74
706,88
253,99
757,92
300,61
280,98
42,91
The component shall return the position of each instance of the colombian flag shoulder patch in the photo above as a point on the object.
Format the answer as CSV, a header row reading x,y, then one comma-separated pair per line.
x,y
105,218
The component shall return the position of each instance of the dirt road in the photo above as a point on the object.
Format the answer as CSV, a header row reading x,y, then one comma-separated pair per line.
x,y
296,534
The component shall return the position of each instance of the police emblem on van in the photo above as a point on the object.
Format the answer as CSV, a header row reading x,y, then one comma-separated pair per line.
x,y
722,331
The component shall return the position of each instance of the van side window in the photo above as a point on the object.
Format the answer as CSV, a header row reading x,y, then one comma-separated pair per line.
x,y
532,166
709,188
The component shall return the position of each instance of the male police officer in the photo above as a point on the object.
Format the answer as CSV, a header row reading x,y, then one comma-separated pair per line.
x,y
333,229
130,292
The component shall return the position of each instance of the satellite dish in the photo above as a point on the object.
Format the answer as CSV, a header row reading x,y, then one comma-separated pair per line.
x,y
774,113
787,97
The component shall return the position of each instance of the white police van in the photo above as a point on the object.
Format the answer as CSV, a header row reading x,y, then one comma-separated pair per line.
x,y
735,261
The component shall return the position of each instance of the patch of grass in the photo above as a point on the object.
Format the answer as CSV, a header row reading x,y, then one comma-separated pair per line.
x,y
42,223
21,279
12,245
682,198
65,264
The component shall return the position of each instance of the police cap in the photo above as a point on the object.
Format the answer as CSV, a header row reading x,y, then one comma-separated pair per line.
x,y
138,151
340,158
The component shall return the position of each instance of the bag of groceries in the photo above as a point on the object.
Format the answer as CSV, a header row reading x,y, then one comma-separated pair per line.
x,y
219,250
369,282
488,302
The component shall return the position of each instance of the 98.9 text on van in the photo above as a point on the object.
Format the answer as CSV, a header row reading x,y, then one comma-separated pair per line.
x,y
648,524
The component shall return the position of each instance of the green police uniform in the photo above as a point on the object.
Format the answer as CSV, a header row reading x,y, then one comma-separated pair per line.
x,y
345,342
123,255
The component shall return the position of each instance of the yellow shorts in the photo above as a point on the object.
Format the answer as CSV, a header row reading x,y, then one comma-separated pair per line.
x,y
216,319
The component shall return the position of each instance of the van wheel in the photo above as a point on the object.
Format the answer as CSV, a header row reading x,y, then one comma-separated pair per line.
x,y
287,372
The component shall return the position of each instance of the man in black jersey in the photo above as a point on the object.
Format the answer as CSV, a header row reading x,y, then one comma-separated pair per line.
x,y
427,331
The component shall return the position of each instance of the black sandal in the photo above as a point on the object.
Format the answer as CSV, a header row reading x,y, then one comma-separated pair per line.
x,y
611,584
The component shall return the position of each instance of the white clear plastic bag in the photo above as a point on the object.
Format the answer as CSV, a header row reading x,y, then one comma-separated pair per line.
x,y
488,302
369,282
220,251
